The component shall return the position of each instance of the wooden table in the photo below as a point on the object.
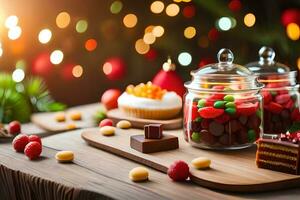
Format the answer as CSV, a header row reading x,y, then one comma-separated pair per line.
x,y
95,174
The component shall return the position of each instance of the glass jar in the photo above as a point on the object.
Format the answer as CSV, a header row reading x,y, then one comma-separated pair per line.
x,y
280,94
222,106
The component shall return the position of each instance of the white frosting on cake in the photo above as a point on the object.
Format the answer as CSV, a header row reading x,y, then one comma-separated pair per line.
x,y
169,100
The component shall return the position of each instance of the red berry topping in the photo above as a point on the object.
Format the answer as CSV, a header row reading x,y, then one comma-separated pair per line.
x,y
14,127
179,171
267,96
35,138
33,150
282,98
246,108
19,142
275,107
210,112
106,122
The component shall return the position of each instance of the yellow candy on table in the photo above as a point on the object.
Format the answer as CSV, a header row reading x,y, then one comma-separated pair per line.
x,y
124,124
201,163
71,126
139,174
60,117
75,115
64,156
107,130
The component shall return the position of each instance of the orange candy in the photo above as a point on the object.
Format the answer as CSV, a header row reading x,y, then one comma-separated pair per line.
x,y
146,90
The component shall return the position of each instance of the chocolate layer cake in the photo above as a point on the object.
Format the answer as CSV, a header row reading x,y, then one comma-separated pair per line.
x,y
278,155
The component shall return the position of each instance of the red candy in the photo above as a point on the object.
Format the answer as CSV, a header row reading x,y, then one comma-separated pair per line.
x,y
210,112
20,142
215,97
282,98
247,108
266,96
195,113
33,150
106,122
289,104
179,171
35,138
14,127
275,107
223,118
296,115
110,98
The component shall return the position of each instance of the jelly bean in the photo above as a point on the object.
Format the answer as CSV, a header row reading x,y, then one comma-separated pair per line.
x,y
198,119
201,103
246,109
107,130
71,126
210,103
289,104
230,105
124,124
219,104
60,117
229,98
282,98
216,129
194,113
223,118
201,163
210,112
230,111
139,174
275,107
251,135
75,115
64,156
196,137
267,97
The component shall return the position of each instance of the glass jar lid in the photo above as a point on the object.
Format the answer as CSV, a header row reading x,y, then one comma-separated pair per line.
x,y
224,73
266,64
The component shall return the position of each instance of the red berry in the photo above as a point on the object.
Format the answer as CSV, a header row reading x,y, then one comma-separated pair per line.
x,y
106,122
110,98
33,150
179,171
275,107
19,142
267,96
246,108
35,138
14,127
282,98
210,112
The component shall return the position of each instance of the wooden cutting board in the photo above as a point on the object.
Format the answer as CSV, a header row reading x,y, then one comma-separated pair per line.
x,y
47,120
230,170
117,115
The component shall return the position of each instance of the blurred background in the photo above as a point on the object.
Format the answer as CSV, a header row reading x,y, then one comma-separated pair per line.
x,y
81,48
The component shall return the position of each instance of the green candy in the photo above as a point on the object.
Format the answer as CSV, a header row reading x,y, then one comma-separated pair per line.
x,y
230,111
201,103
229,98
259,113
196,137
251,135
230,105
198,119
219,104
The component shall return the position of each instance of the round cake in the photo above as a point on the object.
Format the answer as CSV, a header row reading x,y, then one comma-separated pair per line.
x,y
150,102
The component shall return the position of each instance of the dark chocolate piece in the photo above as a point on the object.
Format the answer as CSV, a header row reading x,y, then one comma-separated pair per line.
x,y
153,131
141,144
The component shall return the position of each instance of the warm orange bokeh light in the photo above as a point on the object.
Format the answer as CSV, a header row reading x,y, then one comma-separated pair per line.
x,y
91,44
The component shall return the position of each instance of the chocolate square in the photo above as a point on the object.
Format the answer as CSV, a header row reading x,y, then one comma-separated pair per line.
x,y
153,131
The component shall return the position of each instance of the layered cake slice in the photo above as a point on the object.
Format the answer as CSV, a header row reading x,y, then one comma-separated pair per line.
x,y
278,155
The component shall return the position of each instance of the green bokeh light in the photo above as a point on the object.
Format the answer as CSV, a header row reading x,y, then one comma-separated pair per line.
x,y
116,7
81,26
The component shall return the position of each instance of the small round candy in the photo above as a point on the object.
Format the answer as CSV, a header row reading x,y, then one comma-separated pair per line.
x,y
230,111
196,137
71,126
107,130
219,104
60,117
64,156
230,105
251,135
75,115
139,174
106,122
201,163
229,98
124,124
201,103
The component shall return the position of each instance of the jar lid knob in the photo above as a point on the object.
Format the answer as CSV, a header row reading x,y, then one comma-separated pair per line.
x,y
266,55
225,56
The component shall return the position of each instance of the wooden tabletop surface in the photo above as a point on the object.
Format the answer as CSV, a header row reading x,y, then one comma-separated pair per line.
x,y
104,173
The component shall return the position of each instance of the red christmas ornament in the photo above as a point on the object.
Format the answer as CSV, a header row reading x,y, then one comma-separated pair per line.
x,y
205,61
168,79
41,65
235,5
114,68
189,11
290,16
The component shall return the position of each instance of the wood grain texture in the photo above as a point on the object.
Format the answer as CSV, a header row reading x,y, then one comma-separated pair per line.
x,y
230,170
117,115
47,120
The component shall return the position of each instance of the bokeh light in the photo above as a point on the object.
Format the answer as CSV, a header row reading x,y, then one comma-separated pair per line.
x,y
116,7
157,7
14,32
77,71
158,31
141,47
249,19
149,29
56,57
172,10
130,20
107,68
184,58
189,32
224,23
298,63
81,26
1,51
18,75
293,31
149,38
11,21
45,36
189,11
63,20
91,44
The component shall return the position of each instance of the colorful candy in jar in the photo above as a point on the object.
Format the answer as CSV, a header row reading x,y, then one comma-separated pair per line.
x,y
280,94
222,108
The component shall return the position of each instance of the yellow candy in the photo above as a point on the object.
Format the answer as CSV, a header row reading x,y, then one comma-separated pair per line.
x,y
139,174
60,117
107,130
64,156
71,126
201,163
75,116
124,124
